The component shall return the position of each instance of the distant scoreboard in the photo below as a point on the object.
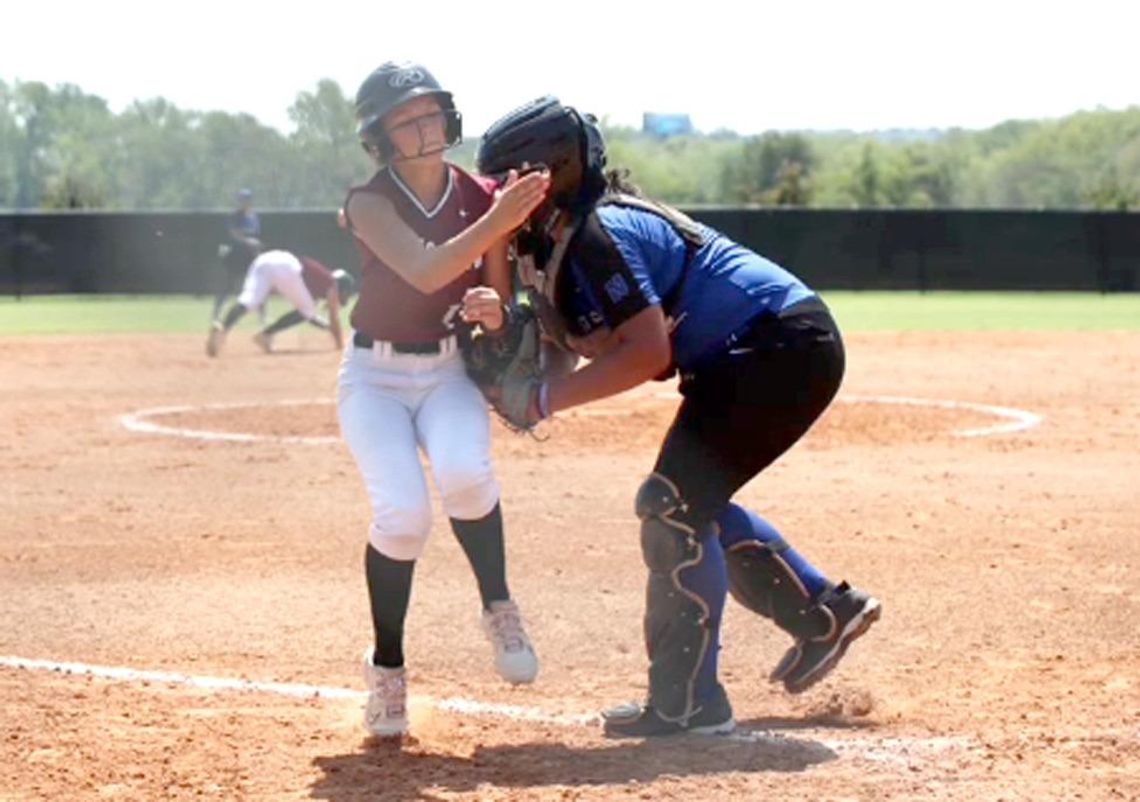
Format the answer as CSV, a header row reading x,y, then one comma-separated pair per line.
x,y
666,125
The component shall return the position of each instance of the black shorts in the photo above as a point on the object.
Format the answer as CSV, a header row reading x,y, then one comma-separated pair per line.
x,y
749,403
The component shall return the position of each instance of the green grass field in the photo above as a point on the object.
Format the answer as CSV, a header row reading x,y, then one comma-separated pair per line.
x,y
856,311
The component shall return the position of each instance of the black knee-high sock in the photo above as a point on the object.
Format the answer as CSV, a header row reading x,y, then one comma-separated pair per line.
x,y
237,311
287,320
482,541
389,589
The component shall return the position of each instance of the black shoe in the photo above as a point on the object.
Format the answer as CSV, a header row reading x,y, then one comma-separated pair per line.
x,y
852,612
633,720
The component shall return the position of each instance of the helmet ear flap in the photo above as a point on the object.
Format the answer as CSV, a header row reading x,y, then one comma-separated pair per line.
x,y
593,159
453,132
375,142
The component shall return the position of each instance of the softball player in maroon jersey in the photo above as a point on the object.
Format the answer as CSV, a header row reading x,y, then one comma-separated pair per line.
x,y
433,244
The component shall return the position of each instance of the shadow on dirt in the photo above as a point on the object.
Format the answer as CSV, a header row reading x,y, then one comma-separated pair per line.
x,y
407,770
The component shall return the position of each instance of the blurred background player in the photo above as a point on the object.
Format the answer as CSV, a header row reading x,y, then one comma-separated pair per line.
x,y
241,245
642,291
433,243
301,280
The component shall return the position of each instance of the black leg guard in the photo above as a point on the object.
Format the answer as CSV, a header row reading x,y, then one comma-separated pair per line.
x,y
759,579
677,619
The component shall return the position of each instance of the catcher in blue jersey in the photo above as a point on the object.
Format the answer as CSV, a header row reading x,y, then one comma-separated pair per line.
x,y
641,291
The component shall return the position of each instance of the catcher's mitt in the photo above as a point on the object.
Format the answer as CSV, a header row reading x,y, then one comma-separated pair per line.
x,y
505,366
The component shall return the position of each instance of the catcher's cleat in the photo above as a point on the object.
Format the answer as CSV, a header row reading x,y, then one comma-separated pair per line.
x,y
216,339
386,712
264,341
515,659
633,720
811,659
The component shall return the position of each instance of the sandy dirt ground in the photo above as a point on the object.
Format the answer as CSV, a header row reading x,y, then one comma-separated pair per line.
x,y
1006,665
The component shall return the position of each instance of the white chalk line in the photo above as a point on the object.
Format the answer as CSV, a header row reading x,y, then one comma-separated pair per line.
x,y
877,749
140,420
1020,419
292,689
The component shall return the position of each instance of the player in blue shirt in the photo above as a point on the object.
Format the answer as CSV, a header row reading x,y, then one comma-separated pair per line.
x,y
240,248
642,291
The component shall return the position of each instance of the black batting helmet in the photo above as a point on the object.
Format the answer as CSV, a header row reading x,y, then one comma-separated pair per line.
x,y
390,85
544,132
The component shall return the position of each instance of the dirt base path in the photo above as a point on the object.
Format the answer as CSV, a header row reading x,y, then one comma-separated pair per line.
x,y
1006,665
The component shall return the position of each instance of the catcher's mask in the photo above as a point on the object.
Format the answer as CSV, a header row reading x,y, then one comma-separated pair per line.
x,y
393,84
544,134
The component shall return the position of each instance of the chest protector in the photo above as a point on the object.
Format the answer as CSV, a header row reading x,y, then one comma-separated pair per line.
x,y
539,269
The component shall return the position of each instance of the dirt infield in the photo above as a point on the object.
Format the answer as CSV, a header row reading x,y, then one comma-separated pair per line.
x,y
1005,548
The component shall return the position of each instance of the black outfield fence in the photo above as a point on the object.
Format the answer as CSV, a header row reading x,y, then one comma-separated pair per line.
x,y
78,252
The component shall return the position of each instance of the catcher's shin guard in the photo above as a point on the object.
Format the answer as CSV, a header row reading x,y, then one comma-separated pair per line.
x,y
760,579
683,605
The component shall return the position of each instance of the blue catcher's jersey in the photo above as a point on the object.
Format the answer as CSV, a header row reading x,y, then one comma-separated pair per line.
x,y
629,258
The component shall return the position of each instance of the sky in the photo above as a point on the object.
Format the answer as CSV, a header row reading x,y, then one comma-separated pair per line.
x,y
745,65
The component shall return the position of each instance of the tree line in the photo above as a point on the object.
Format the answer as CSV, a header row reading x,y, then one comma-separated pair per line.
x,y
61,148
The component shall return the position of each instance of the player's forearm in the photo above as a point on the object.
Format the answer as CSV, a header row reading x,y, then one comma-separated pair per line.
x,y
444,263
629,364
334,319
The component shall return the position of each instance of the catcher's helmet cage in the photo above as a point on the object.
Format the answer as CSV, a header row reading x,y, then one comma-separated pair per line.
x,y
544,132
390,85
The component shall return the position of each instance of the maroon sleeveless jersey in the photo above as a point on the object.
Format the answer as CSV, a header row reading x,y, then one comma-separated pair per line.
x,y
390,308
316,276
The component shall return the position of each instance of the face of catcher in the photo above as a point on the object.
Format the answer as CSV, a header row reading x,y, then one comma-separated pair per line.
x,y
417,129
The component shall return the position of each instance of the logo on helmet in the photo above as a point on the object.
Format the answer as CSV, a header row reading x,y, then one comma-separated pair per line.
x,y
406,77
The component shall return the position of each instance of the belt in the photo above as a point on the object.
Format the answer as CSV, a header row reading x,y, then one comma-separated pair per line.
x,y
424,348
769,323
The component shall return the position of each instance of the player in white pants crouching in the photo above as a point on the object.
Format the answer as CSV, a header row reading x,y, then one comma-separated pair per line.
x,y
301,280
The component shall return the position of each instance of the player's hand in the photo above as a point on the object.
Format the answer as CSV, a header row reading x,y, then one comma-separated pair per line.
x,y
482,306
517,198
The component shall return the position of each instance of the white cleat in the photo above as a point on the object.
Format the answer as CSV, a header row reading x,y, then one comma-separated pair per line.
x,y
515,659
215,340
386,713
264,341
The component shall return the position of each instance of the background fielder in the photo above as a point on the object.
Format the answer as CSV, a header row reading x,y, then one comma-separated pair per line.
x,y
301,280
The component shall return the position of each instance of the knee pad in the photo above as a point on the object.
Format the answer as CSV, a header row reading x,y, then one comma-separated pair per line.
x,y
473,500
759,579
666,543
401,534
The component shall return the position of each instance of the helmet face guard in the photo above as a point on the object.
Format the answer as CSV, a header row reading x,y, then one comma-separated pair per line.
x,y
393,84
376,140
